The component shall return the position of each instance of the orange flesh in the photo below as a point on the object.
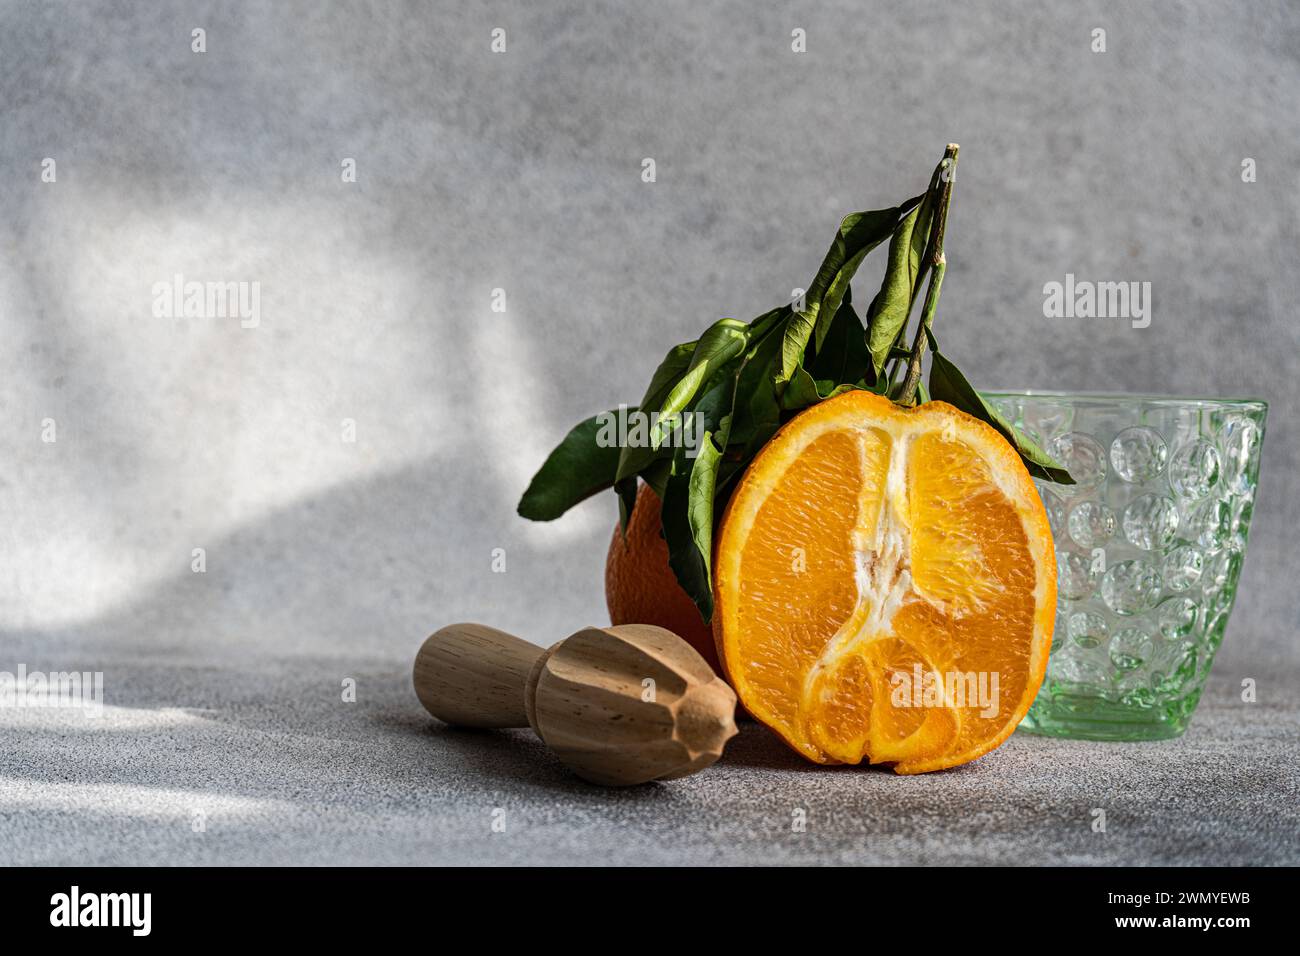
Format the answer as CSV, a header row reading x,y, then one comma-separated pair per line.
x,y
867,547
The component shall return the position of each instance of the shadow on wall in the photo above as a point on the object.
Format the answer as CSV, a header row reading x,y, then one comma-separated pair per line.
x,y
361,572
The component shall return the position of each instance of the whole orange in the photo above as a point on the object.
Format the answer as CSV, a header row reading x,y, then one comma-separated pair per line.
x,y
640,587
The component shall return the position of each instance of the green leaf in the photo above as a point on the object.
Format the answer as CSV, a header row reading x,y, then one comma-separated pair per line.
x,y
672,368
805,391
921,233
768,322
670,371
700,509
917,265
577,469
688,510
627,489
893,304
858,234
947,384
842,357
757,406
721,342
841,364
713,357
802,391
683,553
656,476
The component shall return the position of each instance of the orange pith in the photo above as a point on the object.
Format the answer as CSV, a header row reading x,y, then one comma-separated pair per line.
x,y
867,546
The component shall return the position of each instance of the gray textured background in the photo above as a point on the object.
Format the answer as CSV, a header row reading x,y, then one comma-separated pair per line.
x,y
522,171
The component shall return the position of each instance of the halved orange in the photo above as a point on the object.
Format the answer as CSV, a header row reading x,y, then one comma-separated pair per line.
x,y
886,585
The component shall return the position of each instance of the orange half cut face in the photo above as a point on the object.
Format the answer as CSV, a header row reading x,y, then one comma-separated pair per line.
x,y
886,585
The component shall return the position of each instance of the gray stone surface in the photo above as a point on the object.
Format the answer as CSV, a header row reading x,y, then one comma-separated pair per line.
x,y
521,171
279,770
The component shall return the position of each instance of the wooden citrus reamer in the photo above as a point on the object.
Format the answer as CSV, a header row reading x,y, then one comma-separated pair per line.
x,y
618,705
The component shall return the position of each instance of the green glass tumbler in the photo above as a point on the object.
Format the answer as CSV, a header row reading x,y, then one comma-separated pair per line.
x,y
1149,548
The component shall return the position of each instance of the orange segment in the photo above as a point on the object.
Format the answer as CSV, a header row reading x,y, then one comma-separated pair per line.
x,y
798,537
885,585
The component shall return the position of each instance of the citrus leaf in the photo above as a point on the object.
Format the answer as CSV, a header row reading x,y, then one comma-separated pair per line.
x,y
842,357
577,469
811,392
670,371
893,304
656,476
700,513
858,234
917,261
721,342
626,489
688,514
683,553
948,384
672,368
768,321
757,407
802,391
